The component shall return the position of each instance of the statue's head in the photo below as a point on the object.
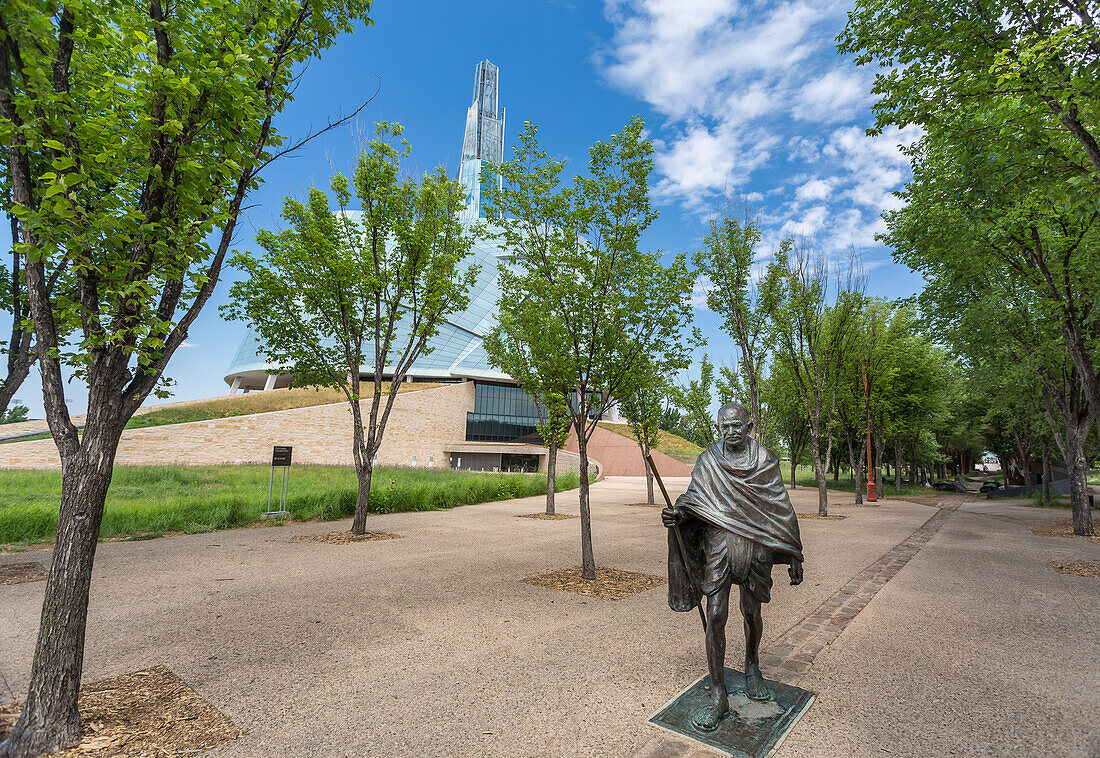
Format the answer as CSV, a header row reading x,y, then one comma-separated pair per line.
x,y
734,424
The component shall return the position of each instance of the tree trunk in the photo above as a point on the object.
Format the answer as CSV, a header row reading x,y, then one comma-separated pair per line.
x,y
1079,493
551,475
50,720
648,477
913,466
364,467
588,561
819,475
857,470
880,449
363,471
794,467
1047,473
897,466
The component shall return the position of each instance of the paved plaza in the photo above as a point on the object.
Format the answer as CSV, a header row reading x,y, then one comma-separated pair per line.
x,y
928,628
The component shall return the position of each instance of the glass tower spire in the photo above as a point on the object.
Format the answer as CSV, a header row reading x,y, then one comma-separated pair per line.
x,y
484,137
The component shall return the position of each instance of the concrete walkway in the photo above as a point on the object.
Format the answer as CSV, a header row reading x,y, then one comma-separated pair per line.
x,y
951,637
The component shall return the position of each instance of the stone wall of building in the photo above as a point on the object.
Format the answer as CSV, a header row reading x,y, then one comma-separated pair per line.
x,y
420,424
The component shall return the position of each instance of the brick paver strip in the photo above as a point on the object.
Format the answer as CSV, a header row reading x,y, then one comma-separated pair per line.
x,y
788,658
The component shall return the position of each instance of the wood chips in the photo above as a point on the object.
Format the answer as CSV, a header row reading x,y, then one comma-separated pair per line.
x,y
545,517
1077,568
150,713
645,505
823,518
345,538
609,584
1061,528
857,505
17,573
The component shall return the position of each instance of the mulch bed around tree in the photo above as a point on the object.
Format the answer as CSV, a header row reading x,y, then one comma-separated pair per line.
x,y
856,505
146,713
345,538
17,573
609,584
1061,528
823,518
1077,568
547,517
645,505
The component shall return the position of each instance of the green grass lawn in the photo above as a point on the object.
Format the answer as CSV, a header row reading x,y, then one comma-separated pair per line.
x,y
149,501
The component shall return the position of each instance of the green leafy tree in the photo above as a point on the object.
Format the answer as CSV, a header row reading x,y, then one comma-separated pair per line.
x,y
643,405
553,426
14,415
343,289
579,284
810,336
19,348
726,260
695,399
152,123
789,417
1002,207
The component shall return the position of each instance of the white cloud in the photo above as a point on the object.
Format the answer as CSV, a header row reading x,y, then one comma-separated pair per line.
x,y
752,89
815,189
832,97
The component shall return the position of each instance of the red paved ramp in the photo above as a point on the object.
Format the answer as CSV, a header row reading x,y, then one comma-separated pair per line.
x,y
620,456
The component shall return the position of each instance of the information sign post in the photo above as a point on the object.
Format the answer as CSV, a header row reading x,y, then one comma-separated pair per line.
x,y
280,457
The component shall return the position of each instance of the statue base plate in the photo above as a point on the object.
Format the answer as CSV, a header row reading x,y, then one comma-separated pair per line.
x,y
752,729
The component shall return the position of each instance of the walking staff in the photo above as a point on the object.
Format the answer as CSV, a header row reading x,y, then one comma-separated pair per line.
x,y
679,542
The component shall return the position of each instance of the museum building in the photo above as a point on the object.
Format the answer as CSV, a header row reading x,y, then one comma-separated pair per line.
x,y
500,422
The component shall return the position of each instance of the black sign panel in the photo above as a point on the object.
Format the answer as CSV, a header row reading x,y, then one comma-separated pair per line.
x,y
280,455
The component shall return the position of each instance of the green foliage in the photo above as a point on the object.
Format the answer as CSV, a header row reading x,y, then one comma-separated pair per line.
x,y
14,414
644,406
341,289
582,306
146,501
136,131
726,260
695,399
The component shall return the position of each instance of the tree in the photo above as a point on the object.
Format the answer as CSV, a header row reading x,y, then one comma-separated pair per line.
x,y
154,121
13,301
789,422
810,337
14,415
644,405
1031,68
340,290
553,427
727,258
1006,95
695,399
580,285
517,347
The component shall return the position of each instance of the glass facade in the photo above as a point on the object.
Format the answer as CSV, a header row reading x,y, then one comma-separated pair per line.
x,y
502,413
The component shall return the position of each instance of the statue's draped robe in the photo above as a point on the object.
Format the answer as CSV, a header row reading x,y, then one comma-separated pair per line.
x,y
745,497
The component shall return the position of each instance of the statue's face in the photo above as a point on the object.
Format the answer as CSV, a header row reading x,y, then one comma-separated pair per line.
x,y
734,428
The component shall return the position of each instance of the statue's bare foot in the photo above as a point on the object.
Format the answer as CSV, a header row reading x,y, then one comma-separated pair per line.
x,y
707,717
754,684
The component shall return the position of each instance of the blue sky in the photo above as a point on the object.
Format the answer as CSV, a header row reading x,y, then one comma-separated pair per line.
x,y
745,97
